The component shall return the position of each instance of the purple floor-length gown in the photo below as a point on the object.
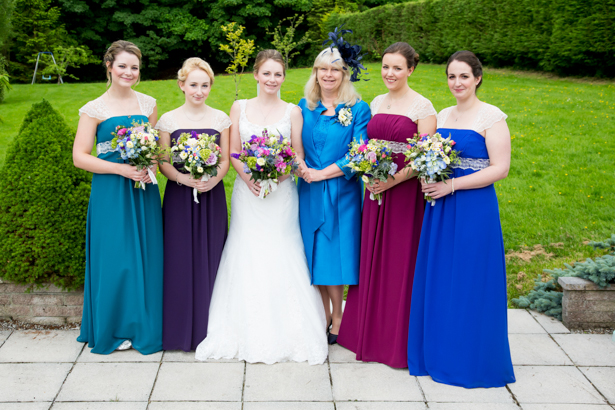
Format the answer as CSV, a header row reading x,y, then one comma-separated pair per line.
x,y
194,236
377,313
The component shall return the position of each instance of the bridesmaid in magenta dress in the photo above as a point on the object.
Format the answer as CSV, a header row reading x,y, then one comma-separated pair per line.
x,y
194,233
376,317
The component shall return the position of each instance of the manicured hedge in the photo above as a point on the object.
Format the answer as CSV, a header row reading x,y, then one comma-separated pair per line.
x,y
43,204
573,37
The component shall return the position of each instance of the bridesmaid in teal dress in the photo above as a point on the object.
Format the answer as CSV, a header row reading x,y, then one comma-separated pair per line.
x,y
122,305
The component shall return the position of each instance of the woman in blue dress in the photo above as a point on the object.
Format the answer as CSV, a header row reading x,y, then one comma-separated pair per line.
x,y
330,195
122,304
458,325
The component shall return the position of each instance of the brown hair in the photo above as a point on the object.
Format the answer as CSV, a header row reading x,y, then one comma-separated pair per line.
x,y
116,48
406,50
265,55
195,63
470,59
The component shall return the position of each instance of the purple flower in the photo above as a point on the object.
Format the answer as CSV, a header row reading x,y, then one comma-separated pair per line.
x,y
194,135
212,159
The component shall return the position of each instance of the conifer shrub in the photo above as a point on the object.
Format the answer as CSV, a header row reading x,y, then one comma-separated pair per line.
x,y
43,204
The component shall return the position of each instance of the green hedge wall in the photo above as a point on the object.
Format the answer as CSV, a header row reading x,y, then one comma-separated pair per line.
x,y
570,37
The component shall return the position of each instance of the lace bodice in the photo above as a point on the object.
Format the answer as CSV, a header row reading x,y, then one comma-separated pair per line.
x,y
98,108
218,121
248,129
420,108
486,117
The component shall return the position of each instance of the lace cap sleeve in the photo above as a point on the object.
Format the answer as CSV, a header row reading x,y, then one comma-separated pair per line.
x,y
166,123
146,103
443,116
421,109
95,109
375,104
222,121
487,116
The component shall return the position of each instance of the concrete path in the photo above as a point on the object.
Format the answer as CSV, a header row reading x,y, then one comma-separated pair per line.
x,y
555,370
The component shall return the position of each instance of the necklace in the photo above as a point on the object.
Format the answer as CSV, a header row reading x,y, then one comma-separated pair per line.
x,y
391,100
198,119
263,114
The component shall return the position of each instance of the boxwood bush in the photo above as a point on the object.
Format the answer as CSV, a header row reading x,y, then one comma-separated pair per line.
x,y
571,37
43,204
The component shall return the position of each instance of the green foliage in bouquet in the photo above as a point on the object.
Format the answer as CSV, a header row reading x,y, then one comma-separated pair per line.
x,y
547,295
43,204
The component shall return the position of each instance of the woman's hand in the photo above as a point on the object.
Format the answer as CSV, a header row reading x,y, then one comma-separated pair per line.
x,y
253,186
437,190
379,187
312,175
131,172
154,169
205,186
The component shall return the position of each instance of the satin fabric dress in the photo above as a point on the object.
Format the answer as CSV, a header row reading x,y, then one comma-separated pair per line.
x,y
330,210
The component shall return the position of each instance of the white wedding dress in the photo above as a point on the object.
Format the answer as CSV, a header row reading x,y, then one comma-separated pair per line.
x,y
263,307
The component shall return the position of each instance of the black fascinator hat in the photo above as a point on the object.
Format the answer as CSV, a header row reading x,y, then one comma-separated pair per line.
x,y
350,54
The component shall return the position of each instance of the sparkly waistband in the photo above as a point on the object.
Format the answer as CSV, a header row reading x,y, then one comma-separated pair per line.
x,y
475,164
104,147
395,147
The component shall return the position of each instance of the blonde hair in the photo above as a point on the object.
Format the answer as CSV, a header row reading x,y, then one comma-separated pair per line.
x,y
265,55
116,48
195,63
347,94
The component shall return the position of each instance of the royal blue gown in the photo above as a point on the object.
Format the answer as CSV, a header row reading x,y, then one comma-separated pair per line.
x,y
124,258
458,321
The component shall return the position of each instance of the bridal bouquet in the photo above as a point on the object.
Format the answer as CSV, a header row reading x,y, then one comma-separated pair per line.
x,y
138,145
199,154
371,160
267,158
431,157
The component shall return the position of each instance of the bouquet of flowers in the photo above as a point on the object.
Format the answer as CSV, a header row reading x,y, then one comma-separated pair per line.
x,y
371,160
199,154
431,157
138,145
267,158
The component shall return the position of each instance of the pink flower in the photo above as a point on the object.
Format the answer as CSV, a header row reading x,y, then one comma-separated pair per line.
x,y
453,143
371,156
122,132
362,148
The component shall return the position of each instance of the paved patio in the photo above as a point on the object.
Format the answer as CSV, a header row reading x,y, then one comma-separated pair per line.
x,y
556,370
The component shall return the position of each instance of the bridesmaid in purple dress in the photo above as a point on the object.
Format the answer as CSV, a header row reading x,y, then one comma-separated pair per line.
x,y
377,312
194,233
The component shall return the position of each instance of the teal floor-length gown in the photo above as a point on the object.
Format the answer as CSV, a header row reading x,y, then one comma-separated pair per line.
x,y
124,265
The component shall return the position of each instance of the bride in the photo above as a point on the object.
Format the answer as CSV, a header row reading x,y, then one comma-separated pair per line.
x,y
263,307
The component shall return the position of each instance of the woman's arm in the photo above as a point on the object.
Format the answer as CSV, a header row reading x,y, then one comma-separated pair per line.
x,y
235,148
296,120
204,186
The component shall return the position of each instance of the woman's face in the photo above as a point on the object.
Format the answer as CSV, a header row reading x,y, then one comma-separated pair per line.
x,y
270,76
124,70
395,71
329,78
196,87
461,81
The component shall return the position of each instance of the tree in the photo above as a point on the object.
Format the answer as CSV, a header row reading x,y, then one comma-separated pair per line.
x,y
285,43
72,56
6,13
240,51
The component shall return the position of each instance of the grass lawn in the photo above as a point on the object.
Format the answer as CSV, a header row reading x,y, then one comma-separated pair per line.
x,y
559,192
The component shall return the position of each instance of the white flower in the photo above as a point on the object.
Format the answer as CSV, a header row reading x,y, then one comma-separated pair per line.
x,y
447,160
183,155
272,140
129,144
345,117
365,179
260,161
199,169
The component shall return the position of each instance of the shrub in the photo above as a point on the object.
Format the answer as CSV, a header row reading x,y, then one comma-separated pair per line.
x,y
43,204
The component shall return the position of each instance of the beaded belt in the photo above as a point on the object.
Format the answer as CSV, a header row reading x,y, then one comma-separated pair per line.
x,y
475,164
104,147
394,146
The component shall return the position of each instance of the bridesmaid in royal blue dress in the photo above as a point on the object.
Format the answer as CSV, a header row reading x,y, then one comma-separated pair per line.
x,y
122,304
194,233
458,326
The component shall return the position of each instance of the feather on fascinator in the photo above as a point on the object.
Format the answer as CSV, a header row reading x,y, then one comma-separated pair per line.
x,y
350,54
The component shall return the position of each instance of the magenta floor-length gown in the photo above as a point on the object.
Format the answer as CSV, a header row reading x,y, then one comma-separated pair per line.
x,y
377,313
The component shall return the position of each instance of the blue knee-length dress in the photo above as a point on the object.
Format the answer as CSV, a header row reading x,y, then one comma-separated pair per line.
x,y
123,277
458,330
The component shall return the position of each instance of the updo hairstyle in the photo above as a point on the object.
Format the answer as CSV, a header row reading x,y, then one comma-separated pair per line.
x,y
195,63
265,55
406,50
116,48
470,59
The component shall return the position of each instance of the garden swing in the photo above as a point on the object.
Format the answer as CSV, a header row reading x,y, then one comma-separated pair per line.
x,y
45,77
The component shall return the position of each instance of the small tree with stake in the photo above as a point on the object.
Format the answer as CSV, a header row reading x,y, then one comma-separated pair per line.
x,y
71,56
286,43
240,51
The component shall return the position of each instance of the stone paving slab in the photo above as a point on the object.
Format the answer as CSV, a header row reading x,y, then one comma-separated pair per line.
x,y
199,381
3,335
101,406
287,382
25,406
553,384
536,349
166,405
130,355
438,392
31,381
109,382
566,407
472,406
339,354
603,378
288,406
588,350
35,346
373,382
549,323
189,357
520,321
380,406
